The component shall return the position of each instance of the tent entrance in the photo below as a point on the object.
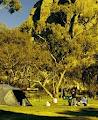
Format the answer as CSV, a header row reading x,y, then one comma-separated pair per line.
x,y
20,96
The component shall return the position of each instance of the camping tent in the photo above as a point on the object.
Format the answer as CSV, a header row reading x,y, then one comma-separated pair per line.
x,y
12,96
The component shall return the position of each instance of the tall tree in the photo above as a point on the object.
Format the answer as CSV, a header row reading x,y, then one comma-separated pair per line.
x,y
70,31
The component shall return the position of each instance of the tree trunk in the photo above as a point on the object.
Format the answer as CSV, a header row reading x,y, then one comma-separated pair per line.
x,y
46,90
54,91
59,83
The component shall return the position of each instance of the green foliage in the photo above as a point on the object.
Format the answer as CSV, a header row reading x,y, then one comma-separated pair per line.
x,y
26,27
15,55
11,5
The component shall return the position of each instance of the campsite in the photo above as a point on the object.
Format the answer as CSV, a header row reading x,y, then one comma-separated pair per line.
x,y
36,107
39,111
48,59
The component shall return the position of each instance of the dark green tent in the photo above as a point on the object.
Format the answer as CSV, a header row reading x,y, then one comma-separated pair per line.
x,y
12,96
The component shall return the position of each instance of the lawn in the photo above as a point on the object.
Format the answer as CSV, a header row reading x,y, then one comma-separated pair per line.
x,y
59,111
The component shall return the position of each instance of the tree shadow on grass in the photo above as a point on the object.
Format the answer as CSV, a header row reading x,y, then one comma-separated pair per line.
x,y
7,115
84,113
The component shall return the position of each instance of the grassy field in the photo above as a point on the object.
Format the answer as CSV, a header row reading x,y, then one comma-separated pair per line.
x,y
59,111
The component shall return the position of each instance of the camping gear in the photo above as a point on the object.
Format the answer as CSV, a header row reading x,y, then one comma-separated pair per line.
x,y
12,96
48,104
55,100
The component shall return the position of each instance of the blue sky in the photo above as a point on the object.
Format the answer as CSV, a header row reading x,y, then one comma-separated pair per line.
x,y
18,17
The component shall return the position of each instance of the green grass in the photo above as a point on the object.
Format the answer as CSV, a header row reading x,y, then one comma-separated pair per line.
x,y
59,111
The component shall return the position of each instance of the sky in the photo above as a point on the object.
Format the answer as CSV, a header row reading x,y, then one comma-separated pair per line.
x,y
15,19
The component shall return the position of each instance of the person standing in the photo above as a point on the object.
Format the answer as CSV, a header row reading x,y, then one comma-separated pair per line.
x,y
73,93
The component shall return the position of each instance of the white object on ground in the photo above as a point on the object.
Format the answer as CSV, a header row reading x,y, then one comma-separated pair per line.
x,y
55,100
48,104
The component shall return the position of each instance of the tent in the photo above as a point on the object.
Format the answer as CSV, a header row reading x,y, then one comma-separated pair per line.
x,y
12,96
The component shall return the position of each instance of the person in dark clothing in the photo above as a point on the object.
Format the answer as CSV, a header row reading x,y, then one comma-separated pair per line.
x,y
63,93
73,93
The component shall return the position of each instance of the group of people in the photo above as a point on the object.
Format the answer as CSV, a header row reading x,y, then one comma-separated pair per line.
x,y
73,100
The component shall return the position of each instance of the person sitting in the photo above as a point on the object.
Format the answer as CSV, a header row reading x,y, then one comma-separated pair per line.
x,y
78,101
84,101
